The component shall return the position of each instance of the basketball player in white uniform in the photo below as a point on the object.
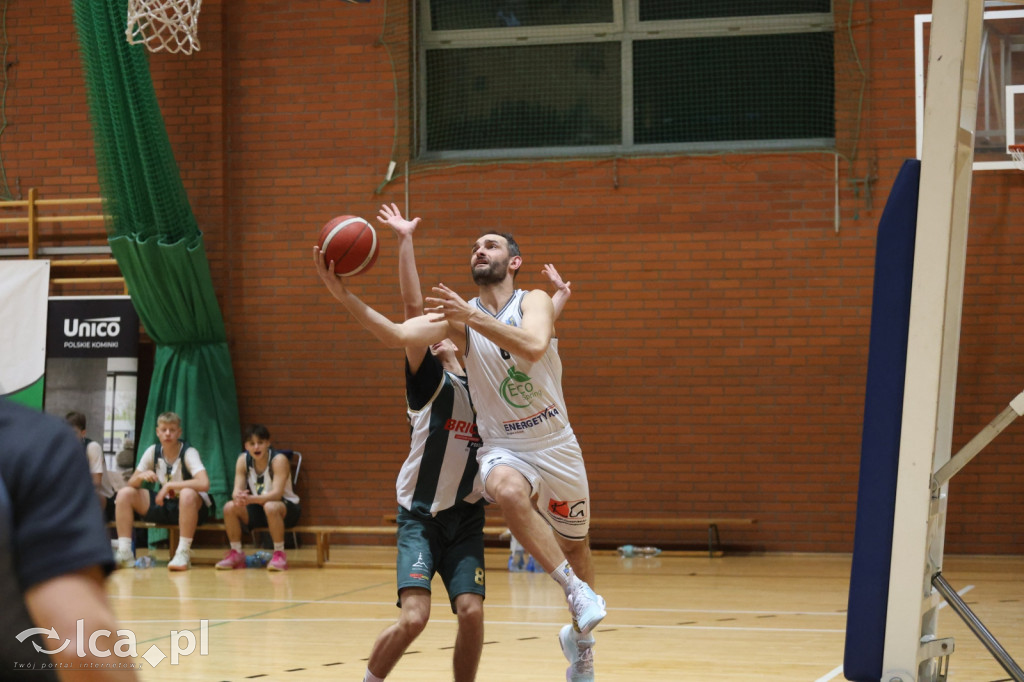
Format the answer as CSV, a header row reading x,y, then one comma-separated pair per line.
x,y
530,461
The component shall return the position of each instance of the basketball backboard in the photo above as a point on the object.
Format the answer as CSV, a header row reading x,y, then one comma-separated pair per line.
x,y
1000,85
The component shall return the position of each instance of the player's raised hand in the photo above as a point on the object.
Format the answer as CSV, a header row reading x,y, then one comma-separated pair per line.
x,y
392,217
556,279
448,305
334,283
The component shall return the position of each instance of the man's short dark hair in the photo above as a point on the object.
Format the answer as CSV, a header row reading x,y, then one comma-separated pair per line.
x,y
256,431
76,419
513,245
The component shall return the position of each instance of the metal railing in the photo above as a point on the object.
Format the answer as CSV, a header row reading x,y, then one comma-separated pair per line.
x,y
37,214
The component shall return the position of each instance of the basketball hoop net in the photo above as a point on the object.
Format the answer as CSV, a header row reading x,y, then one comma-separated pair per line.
x,y
169,25
1017,152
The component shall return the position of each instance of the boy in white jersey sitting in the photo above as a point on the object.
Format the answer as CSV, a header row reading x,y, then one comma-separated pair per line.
x,y
182,497
262,498
101,480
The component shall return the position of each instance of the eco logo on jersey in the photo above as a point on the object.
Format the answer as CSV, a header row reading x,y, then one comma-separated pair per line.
x,y
517,389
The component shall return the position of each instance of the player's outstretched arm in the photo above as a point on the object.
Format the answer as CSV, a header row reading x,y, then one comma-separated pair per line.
x,y
408,277
529,341
418,331
562,290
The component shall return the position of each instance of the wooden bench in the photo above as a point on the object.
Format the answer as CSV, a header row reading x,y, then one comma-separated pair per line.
x,y
494,528
322,533
674,523
641,523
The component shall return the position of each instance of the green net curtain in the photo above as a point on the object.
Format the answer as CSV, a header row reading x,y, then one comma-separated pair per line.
x,y
156,240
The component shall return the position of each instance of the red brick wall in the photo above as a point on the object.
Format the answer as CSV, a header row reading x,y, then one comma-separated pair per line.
x,y
715,345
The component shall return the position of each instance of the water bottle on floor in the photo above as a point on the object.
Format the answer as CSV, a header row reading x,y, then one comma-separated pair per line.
x,y
629,551
144,562
257,559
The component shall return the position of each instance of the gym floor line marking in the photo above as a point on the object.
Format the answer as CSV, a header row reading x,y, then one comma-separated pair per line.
x,y
831,674
452,621
287,606
490,605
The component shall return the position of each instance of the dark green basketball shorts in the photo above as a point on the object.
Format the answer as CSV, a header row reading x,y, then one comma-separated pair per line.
x,y
451,544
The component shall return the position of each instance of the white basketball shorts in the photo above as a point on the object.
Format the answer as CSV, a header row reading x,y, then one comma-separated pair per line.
x,y
557,478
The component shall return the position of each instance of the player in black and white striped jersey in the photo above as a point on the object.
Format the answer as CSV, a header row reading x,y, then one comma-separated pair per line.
x,y
440,504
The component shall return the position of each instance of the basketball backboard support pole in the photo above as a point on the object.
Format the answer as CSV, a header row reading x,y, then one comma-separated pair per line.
x,y
1001,79
947,155
1012,93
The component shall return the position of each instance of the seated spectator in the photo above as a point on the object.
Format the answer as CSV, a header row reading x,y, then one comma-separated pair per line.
x,y
177,470
262,497
105,489
125,459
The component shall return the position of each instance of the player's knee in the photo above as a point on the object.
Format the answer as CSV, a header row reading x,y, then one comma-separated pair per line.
x,y
230,509
188,497
274,508
125,495
413,622
469,611
509,490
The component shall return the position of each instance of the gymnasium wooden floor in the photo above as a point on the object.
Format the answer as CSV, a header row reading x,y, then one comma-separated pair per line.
x,y
737,618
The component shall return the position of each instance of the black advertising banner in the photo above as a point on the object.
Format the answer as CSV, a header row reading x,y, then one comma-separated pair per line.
x,y
92,327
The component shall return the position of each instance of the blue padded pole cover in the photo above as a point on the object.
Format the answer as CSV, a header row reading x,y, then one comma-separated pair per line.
x,y
880,439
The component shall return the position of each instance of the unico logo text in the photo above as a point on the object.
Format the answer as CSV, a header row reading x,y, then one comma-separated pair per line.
x,y
94,327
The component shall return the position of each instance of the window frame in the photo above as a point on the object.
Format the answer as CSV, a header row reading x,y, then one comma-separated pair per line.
x,y
625,28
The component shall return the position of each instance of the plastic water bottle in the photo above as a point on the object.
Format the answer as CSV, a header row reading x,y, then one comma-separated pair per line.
x,y
144,562
629,551
257,559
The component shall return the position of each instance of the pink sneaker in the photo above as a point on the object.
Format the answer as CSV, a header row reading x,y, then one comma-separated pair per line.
x,y
233,559
278,562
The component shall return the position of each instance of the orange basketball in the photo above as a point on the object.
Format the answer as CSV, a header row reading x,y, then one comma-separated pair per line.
x,y
351,243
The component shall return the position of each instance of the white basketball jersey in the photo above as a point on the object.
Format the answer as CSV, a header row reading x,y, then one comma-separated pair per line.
x,y
516,401
260,482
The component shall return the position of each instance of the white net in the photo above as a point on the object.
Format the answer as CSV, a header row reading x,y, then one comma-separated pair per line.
x,y
1017,152
169,25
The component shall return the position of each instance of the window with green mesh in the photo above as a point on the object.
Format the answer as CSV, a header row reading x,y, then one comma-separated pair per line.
x,y
504,78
